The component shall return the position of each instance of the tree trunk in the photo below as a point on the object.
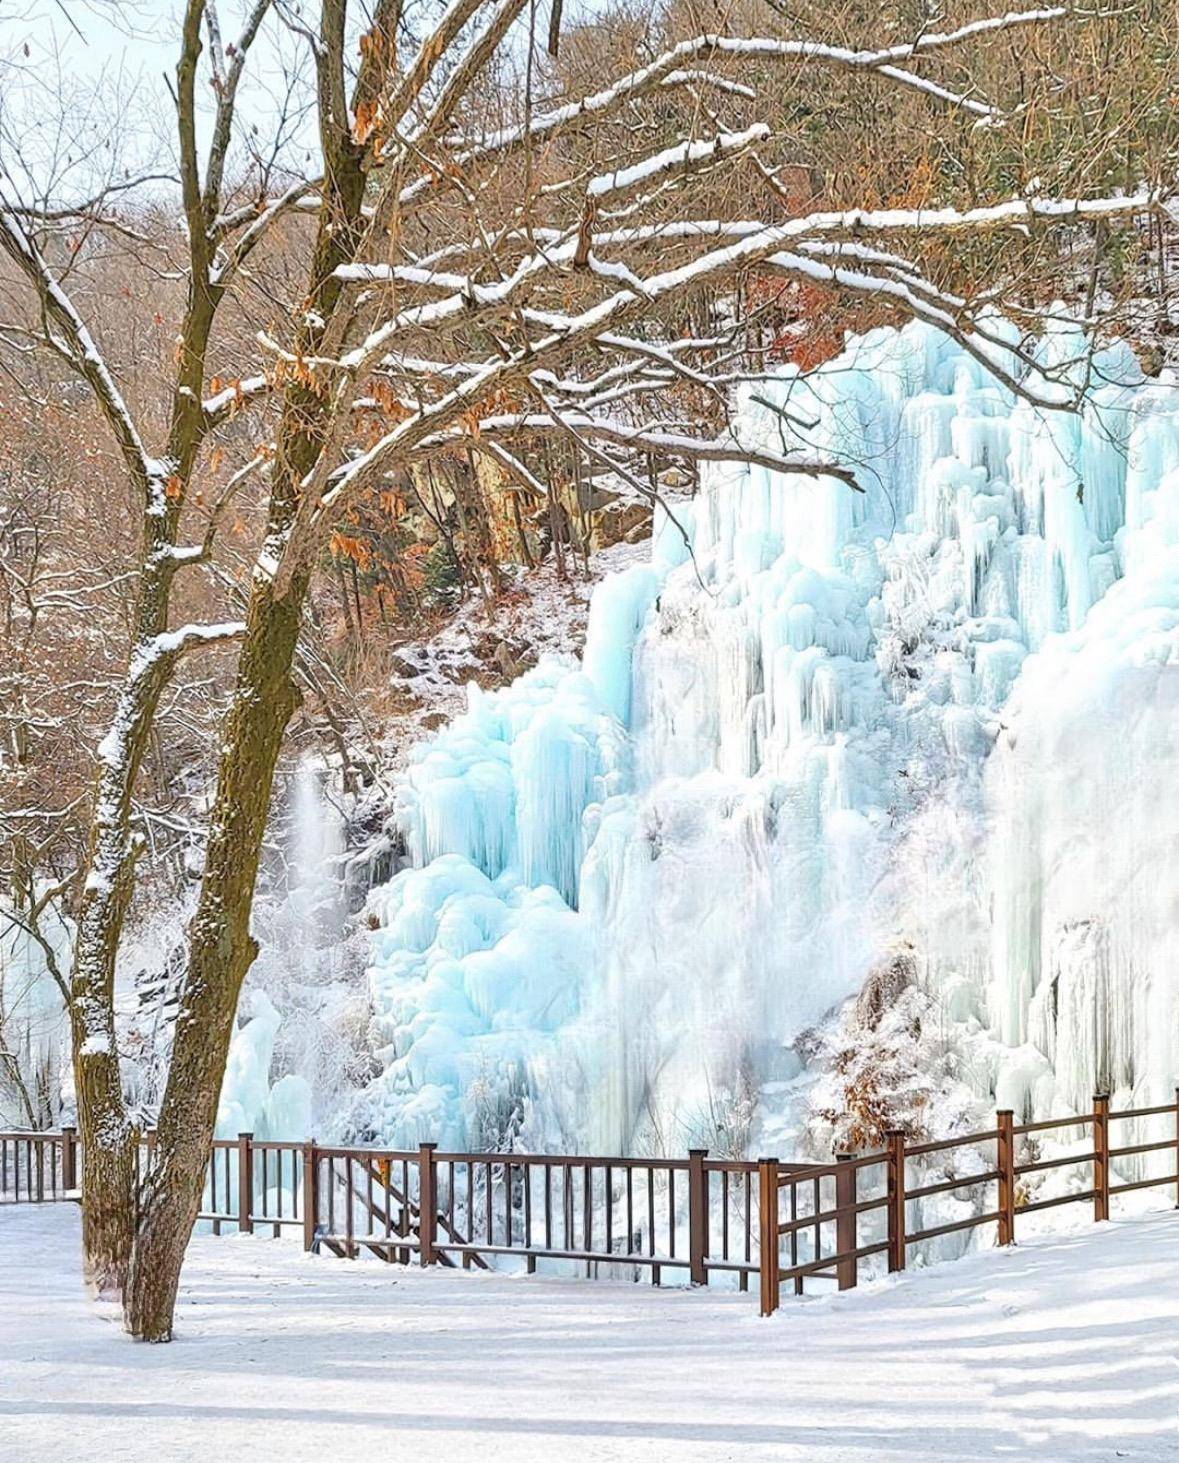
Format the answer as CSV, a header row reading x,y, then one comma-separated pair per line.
x,y
108,1206
108,1141
222,950
108,1187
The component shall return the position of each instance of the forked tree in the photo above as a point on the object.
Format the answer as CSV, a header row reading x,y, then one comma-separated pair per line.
x,y
489,255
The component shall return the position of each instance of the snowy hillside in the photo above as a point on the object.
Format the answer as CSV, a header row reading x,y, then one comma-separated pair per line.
x,y
934,717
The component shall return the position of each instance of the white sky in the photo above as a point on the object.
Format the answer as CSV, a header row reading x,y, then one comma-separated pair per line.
x,y
112,60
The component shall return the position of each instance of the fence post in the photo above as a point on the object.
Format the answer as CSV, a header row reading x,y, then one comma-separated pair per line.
x,y
427,1203
768,1260
1177,1146
896,1198
310,1194
1005,1153
697,1216
69,1158
245,1183
846,1227
1101,1157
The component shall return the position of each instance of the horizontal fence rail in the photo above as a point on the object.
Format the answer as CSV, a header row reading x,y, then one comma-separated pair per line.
x,y
694,1219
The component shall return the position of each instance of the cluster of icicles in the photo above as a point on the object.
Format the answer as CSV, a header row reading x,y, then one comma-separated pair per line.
x,y
941,711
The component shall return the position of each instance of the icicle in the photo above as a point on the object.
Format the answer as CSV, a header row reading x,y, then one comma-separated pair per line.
x,y
932,709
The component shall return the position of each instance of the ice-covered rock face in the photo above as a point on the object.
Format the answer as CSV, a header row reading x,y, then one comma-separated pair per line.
x,y
1086,844
248,1103
641,881
34,1026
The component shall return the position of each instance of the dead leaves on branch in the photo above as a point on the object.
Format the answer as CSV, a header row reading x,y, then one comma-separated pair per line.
x,y
386,397
349,546
810,320
368,118
217,385
379,46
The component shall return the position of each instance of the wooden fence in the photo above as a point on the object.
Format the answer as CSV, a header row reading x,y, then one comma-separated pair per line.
x,y
697,1217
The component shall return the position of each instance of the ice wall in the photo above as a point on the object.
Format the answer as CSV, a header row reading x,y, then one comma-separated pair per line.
x,y
310,962
34,1027
249,1103
1086,838
642,881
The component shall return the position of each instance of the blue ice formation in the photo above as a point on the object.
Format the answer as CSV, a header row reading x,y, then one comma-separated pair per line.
x,y
638,883
249,1103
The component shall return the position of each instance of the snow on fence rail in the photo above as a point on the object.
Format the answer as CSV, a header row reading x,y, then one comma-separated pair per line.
x,y
697,1216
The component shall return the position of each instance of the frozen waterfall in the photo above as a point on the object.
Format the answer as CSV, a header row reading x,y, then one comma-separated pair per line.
x,y
939,711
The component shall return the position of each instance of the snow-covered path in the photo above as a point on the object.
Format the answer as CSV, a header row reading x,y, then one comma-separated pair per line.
x,y
1065,1349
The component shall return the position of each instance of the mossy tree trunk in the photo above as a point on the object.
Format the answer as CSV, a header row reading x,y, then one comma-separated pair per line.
x,y
222,948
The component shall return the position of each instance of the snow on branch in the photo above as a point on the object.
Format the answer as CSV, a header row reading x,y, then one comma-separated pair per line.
x,y
672,66
683,155
709,78
464,69
171,644
748,243
230,399
432,51
226,79
726,448
566,332
923,301
258,218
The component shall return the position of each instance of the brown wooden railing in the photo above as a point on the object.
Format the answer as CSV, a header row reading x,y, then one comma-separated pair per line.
x,y
841,1238
697,1217
38,1167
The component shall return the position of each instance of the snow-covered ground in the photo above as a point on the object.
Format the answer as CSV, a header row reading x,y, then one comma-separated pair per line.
x,y
1065,1349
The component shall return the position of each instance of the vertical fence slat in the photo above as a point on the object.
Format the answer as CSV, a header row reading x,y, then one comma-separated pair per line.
x,y
748,1221
310,1194
697,1216
531,1262
403,1213
351,1249
1101,1157
427,1204
846,1228
69,1158
896,1199
245,1183
767,1170
587,1213
656,1270
213,1190
1005,1163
